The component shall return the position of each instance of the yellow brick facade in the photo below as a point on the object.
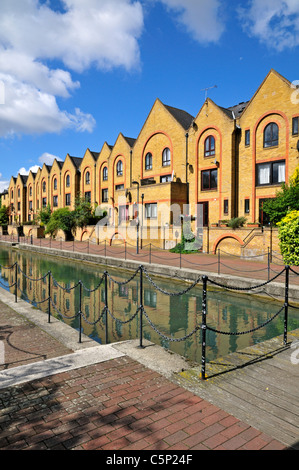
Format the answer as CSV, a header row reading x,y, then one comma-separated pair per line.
x,y
217,165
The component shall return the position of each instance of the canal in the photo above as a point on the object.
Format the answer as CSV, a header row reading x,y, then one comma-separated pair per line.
x,y
167,318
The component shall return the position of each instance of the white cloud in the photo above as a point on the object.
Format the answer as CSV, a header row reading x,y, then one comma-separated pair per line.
x,y
25,172
48,158
3,184
201,18
81,35
273,22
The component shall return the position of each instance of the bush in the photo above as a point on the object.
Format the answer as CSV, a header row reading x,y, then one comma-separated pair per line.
x,y
61,219
288,233
236,222
4,211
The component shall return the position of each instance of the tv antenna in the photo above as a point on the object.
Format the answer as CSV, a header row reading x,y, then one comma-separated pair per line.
x,y
206,90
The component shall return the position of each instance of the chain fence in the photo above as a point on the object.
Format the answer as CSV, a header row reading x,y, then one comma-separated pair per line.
x,y
48,283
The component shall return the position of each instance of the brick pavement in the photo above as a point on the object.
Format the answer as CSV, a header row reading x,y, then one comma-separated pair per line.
x,y
118,404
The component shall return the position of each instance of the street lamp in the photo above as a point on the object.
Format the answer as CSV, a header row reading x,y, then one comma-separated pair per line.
x,y
137,242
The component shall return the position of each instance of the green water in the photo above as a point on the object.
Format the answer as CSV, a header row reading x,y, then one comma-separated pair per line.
x,y
167,317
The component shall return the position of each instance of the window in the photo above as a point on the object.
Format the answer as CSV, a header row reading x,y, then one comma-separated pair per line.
x,y
151,211
88,196
123,213
165,179
55,183
225,206
55,201
271,135
87,178
295,126
247,206
19,193
119,168
148,161
247,137
209,179
119,186
209,146
150,298
166,157
270,173
44,201
44,187
67,199
105,173
30,191
19,206
104,195
68,181
30,205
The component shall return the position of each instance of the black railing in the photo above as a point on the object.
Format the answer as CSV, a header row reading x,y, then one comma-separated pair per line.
x,y
151,254
106,277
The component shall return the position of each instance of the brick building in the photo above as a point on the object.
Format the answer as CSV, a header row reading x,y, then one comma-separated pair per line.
x,y
220,164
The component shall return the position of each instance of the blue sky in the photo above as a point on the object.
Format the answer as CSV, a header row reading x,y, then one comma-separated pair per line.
x,y
75,74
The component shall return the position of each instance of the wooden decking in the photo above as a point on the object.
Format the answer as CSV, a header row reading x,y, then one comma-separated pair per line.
x,y
259,385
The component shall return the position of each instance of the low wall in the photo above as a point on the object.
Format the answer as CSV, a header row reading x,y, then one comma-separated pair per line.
x,y
243,242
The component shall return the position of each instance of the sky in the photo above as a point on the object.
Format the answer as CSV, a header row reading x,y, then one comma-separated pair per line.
x,y
74,74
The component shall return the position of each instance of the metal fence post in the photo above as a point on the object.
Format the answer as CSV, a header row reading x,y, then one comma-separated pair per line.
x,y
204,327
150,254
268,263
218,260
16,282
106,307
141,307
49,296
286,305
80,310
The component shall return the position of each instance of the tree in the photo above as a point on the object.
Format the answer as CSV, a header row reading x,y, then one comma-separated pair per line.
x,y
44,215
4,215
288,233
83,212
62,219
286,200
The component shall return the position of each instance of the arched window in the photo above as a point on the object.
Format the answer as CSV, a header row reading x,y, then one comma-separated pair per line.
x,y
209,146
44,186
148,161
166,157
105,173
119,168
271,135
68,181
55,183
87,177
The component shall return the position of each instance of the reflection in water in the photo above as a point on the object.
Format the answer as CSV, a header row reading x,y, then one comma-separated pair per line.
x,y
171,317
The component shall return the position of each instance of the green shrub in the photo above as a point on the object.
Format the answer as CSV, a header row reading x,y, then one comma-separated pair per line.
x,y
288,234
236,222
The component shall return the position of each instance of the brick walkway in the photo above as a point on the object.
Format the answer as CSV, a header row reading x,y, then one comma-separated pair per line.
x,y
118,404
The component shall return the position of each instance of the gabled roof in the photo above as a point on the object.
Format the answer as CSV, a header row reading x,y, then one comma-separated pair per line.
x,y
76,161
24,179
184,119
130,141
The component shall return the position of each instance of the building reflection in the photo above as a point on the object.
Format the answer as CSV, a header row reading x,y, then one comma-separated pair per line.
x,y
172,316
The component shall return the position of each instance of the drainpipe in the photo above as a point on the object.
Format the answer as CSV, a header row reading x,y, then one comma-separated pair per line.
x,y
187,164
